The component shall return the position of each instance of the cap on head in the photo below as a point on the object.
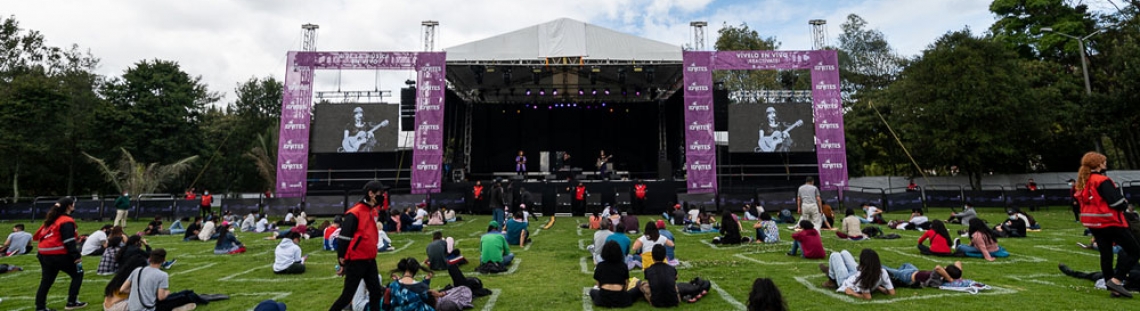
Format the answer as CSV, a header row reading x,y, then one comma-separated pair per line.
x,y
358,110
493,224
374,185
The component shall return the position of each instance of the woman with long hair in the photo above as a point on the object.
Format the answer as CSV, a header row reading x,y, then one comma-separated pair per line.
x,y
227,242
939,240
730,230
113,299
611,278
135,246
765,296
57,252
983,242
1102,212
645,243
109,263
409,294
858,280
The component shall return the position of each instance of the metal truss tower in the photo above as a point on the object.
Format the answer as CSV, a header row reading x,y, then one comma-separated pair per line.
x,y
818,33
309,37
429,34
698,29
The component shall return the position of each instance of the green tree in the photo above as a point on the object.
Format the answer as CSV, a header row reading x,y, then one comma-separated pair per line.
x,y
1116,83
743,38
964,102
139,177
1020,21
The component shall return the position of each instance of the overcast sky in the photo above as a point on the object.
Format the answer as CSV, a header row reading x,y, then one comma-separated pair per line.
x,y
227,42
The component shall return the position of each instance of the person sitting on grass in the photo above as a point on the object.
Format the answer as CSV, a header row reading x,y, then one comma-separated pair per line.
x,y
1014,227
517,232
288,259
227,244
151,291
1131,283
193,230
849,228
809,239
611,279
290,219
330,232
670,251
874,214
113,299
177,227
730,231
909,275
441,252
857,280
939,240
983,242
419,217
623,241
383,242
600,238
408,294
263,225
660,284
154,227
109,264
393,221
493,246
765,296
1094,246
249,224
208,230
749,215
449,215
436,218
631,223
593,222
96,242
766,229
407,221
644,245
135,246
968,213
1031,224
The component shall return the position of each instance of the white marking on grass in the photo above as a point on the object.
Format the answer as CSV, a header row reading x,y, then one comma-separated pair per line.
x,y
778,263
582,244
884,300
19,273
1066,250
514,268
491,301
410,242
231,276
464,223
714,246
527,247
476,233
587,302
582,264
724,295
579,231
195,269
536,231
284,279
1013,259
1033,280
50,302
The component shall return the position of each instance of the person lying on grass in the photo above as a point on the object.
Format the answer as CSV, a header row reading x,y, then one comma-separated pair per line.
x,y
909,275
858,280
1132,283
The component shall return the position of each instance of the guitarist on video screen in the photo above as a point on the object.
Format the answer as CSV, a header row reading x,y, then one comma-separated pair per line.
x,y
777,138
359,135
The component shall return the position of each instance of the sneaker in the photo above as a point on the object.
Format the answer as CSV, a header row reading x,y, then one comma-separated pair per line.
x,y
75,305
1082,245
957,241
824,268
830,284
168,264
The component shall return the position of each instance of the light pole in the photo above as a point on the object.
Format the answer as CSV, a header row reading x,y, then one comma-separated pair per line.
x,y
1081,43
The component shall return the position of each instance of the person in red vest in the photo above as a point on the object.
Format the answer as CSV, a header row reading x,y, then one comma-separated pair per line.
x,y
1031,185
477,196
190,195
911,186
639,190
580,198
1102,211
356,249
206,204
57,252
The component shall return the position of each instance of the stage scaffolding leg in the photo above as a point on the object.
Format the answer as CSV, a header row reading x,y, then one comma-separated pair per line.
x,y
662,138
467,137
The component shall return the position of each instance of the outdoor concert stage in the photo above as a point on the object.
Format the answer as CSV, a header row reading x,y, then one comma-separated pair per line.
x,y
565,87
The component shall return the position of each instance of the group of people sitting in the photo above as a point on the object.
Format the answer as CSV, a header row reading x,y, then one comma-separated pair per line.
x,y
414,219
863,278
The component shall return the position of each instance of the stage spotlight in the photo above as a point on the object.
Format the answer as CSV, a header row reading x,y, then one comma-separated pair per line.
x,y
527,92
595,69
548,107
594,92
555,92
581,92
607,92
603,104
575,105
637,68
623,91
541,92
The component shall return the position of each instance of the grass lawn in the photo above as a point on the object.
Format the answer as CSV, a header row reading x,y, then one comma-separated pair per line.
x,y
552,273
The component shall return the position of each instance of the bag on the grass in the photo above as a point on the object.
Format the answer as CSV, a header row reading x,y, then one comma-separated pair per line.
x,y
891,236
872,231
476,286
490,267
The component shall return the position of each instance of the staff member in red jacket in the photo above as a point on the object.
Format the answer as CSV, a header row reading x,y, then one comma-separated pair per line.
x,y
477,195
58,252
356,249
639,191
1102,211
206,204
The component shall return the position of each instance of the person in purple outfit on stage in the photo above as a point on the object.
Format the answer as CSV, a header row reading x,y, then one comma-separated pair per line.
x,y
520,164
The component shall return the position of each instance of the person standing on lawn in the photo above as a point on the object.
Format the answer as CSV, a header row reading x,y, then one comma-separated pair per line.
x,y
1102,212
58,252
122,208
356,250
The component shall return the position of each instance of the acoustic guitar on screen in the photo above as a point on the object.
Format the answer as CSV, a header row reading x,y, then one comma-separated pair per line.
x,y
353,143
778,140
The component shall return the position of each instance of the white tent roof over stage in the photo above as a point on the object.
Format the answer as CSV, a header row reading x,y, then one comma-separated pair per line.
x,y
564,37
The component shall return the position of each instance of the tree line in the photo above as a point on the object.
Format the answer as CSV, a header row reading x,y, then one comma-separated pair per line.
x,y
1007,100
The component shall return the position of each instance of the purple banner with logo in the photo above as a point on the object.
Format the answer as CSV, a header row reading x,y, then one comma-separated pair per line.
x,y
700,140
297,101
428,145
293,140
831,148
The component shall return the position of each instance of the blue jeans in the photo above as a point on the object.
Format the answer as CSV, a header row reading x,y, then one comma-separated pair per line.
x,y
498,216
507,259
795,248
977,253
330,244
383,247
841,265
760,236
902,274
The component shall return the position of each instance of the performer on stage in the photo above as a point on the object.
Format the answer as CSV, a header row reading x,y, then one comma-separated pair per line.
x,y
777,138
520,164
566,161
639,191
358,134
602,160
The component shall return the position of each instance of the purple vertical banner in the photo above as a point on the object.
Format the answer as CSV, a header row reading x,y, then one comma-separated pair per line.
x,y
427,155
831,148
700,141
293,141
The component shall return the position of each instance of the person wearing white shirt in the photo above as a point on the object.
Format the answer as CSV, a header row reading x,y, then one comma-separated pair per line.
x,y
288,255
207,232
421,213
872,213
95,243
850,275
302,219
247,225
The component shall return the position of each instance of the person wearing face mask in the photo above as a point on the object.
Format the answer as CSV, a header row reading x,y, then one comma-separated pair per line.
x,y
357,247
206,203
